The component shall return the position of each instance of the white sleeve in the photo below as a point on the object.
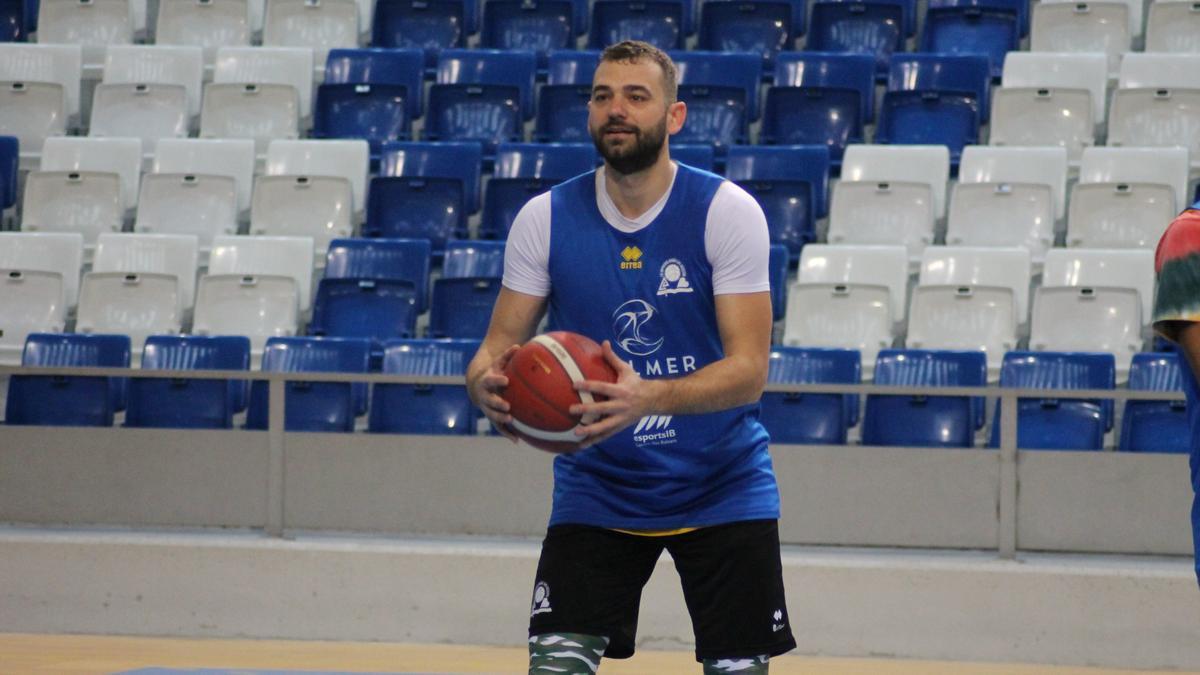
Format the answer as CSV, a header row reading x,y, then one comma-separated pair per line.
x,y
737,242
527,253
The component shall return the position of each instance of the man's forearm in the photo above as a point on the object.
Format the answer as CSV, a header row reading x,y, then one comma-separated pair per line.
x,y
721,385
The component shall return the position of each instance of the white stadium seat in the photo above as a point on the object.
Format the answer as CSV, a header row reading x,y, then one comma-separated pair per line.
x,y
1058,71
1095,268
319,24
94,24
981,318
1043,116
1173,26
32,112
1032,165
259,112
839,315
1159,71
883,212
257,306
1135,8
208,24
147,112
170,254
928,164
58,252
1009,268
1002,215
1082,27
278,256
1158,166
1156,118
136,304
142,64
291,66
54,64
318,207
85,202
210,157
1119,215
31,301
203,206
859,265
349,159
122,156
1086,318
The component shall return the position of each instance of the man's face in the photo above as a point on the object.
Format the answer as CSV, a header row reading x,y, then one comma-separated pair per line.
x,y
628,115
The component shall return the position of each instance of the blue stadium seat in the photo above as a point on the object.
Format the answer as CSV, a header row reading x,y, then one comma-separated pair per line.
x,y
375,112
813,116
462,307
763,27
562,113
183,403
10,156
499,67
572,66
717,116
954,73
12,21
403,67
462,160
473,259
874,27
31,15
929,118
486,113
416,207
424,408
811,418
698,156
790,184
1156,426
379,309
69,400
799,15
721,69
659,22
779,264
830,70
382,260
313,406
909,12
1052,423
525,170
940,421
534,25
430,25
972,27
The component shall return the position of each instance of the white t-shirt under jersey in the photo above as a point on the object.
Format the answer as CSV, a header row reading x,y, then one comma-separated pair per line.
x,y
735,239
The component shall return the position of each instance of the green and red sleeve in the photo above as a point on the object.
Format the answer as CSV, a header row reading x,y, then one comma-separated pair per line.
x,y
1177,264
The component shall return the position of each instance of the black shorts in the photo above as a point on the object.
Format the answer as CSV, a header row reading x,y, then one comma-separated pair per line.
x,y
589,581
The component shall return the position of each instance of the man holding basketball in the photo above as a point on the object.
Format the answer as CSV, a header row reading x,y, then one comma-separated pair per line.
x,y
666,266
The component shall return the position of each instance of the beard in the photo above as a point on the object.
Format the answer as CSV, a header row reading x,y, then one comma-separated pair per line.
x,y
641,155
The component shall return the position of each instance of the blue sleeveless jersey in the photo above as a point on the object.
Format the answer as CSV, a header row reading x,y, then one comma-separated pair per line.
x,y
650,293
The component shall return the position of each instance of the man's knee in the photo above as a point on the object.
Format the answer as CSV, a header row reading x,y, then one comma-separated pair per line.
x,y
565,653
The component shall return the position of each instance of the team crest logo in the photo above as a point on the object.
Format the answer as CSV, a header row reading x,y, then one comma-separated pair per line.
x,y
541,599
634,326
673,278
631,258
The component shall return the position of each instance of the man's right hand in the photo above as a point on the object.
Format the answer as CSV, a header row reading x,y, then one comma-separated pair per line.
x,y
485,392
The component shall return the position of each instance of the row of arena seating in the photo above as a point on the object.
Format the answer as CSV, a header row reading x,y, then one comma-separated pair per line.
x,y
489,96
945,421
1004,196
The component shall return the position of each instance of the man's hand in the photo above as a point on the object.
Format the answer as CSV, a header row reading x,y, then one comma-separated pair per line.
x,y
485,392
629,399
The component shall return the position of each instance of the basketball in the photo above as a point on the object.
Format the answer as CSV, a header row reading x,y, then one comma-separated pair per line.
x,y
541,388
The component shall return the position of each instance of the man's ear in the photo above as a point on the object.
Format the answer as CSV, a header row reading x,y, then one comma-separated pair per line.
x,y
676,115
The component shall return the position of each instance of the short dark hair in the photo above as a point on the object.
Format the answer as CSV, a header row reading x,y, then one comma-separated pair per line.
x,y
632,51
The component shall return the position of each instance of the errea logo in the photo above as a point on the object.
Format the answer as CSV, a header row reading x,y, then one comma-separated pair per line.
x,y
631,258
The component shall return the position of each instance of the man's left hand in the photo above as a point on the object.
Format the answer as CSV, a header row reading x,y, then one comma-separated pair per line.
x,y
628,399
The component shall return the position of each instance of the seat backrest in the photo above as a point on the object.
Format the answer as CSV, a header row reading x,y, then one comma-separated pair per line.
x,y
30,302
1082,27
975,28
549,161
569,66
840,315
859,265
431,25
379,309
1155,371
233,157
136,304
146,112
473,258
1156,118
316,355
383,259
1036,165
462,308
320,406
1028,116
1060,70
184,204
404,67
841,70
969,73
1088,319
659,22
447,357
804,163
1159,71
930,368
76,350
1120,215
266,256
761,27
320,25
929,118
1103,268
196,352
1058,370
208,25
462,160
927,164
347,159
57,63
813,365
883,212
973,266
145,64
875,28
1003,215
31,112
86,202
57,252
1135,14
268,65
933,420
260,112
317,207
171,254
1173,27
721,69
490,66
121,156
695,155
94,24
978,318
1161,166
255,306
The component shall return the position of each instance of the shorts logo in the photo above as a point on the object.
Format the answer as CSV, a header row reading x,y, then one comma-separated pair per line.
x,y
541,599
673,278
654,430
778,623
631,258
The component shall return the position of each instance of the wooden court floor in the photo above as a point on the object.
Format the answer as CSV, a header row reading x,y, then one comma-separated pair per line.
x,y
22,654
